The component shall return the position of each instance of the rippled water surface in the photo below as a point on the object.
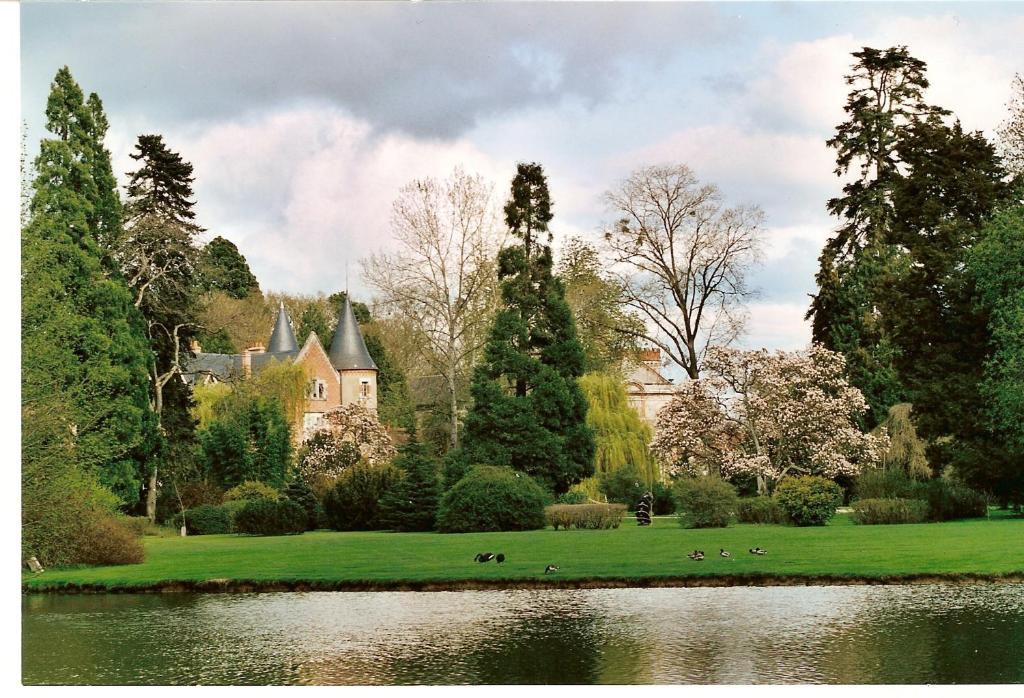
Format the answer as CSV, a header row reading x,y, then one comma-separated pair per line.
x,y
891,634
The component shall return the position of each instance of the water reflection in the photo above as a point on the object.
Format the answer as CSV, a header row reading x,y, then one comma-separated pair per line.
x,y
912,634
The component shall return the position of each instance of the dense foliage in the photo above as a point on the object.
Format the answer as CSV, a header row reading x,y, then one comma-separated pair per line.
x,y
705,502
585,516
252,441
205,520
529,412
491,498
624,485
108,541
411,504
889,511
302,494
353,503
621,437
223,268
760,510
809,500
250,489
266,517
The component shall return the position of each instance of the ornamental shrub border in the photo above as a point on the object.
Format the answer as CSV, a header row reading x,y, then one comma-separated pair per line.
x,y
889,511
585,516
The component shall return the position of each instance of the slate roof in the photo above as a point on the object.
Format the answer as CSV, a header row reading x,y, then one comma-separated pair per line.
x,y
223,367
348,350
282,339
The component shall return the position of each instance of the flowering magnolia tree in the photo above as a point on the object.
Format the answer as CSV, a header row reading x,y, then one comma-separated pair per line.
x,y
346,435
768,415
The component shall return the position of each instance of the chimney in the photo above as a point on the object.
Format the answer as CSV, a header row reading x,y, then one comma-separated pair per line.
x,y
651,357
195,347
247,358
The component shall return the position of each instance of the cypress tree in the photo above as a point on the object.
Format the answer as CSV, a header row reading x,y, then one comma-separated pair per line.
x,y
529,412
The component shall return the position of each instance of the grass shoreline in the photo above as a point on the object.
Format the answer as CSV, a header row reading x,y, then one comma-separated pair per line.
x,y
976,551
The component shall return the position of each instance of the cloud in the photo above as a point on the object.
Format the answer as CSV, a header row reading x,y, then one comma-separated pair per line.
x,y
777,326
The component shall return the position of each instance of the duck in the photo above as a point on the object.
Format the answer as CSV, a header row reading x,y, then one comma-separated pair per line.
x,y
484,557
724,553
696,555
499,558
550,569
758,551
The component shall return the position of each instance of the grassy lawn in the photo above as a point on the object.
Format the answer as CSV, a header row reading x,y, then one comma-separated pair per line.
x,y
983,547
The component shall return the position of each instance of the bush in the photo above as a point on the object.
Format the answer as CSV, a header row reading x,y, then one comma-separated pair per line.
x,y
885,484
705,502
950,500
138,525
623,485
251,489
491,498
572,497
353,503
664,500
590,516
107,541
300,493
761,510
205,520
266,517
809,500
889,511
411,504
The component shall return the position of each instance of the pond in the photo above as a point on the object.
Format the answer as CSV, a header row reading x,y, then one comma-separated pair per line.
x,y
841,634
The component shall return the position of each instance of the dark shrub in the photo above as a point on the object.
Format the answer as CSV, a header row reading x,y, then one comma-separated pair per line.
x,y
761,510
106,541
491,498
572,497
301,493
809,500
411,504
453,468
250,489
266,517
705,502
138,525
951,500
877,483
353,504
889,511
205,520
623,485
664,500
590,516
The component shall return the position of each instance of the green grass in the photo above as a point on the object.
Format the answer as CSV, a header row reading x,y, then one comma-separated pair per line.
x,y
978,547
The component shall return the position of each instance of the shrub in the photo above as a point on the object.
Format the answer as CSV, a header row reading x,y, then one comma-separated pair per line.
x,y
664,500
889,511
300,493
266,517
251,489
623,485
760,510
590,516
205,520
705,502
572,497
809,500
107,541
353,503
950,500
590,487
138,525
411,504
491,498
892,483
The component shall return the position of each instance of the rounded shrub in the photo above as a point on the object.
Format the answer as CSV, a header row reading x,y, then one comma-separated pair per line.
x,y
353,503
106,541
809,500
705,502
490,498
250,489
205,520
949,500
889,511
266,517
664,500
761,510
623,485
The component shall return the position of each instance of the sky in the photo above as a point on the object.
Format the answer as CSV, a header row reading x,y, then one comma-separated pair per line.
x,y
303,120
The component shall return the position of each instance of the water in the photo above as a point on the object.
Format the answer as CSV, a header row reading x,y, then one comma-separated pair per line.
x,y
884,634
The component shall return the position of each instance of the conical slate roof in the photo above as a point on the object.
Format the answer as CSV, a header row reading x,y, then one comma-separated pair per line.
x,y
348,350
282,339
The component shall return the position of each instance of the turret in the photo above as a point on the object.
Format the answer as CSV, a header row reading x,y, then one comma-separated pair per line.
x,y
352,361
282,339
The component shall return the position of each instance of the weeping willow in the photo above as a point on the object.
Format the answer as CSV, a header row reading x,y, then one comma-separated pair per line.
x,y
287,382
622,437
906,450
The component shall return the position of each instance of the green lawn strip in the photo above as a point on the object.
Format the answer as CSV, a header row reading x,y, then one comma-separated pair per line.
x,y
982,547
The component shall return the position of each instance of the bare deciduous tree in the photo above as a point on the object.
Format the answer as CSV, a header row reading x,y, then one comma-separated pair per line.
x,y
682,260
442,277
1011,132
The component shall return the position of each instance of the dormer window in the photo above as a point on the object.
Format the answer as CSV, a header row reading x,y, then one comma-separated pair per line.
x,y
317,390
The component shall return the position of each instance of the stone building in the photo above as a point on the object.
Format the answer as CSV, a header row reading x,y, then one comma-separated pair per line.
x,y
647,388
343,376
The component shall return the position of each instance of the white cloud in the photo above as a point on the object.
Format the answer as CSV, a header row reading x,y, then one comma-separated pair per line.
x,y
777,326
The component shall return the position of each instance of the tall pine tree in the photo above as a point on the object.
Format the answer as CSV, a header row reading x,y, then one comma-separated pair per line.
x,y
529,411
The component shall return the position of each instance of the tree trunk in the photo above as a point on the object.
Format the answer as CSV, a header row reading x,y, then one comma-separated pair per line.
x,y
151,497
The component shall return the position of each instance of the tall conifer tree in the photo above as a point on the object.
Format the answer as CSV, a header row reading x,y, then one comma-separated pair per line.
x,y
529,411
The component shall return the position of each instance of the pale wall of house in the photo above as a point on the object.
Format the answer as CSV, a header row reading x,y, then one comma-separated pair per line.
x,y
352,390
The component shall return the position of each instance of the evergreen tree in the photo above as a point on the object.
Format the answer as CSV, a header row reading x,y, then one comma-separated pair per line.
x,y
411,504
82,341
394,405
223,268
251,442
529,411
313,319
887,100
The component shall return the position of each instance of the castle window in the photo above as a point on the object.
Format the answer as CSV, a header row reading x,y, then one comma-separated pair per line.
x,y
364,389
317,390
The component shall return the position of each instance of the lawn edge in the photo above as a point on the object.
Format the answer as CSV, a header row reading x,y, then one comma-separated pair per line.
x,y
298,585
